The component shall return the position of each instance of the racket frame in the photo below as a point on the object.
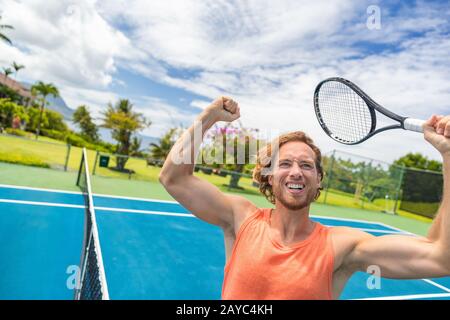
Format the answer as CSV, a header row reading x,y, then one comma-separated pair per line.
x,y
371,105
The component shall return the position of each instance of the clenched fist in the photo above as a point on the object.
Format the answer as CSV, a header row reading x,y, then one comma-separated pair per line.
x,y
437,132
223,109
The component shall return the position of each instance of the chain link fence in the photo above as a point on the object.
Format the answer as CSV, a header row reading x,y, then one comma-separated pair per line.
x,y
355,181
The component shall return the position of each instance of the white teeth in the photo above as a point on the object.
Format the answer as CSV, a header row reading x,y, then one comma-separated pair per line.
x,y
295,186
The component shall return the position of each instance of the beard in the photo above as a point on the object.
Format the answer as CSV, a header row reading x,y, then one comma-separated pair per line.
x,y
294,203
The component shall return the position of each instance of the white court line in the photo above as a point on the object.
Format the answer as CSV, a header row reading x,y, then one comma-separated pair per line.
x,y
64,205
360,221
395,228
437,285
377,230
46,204
188,215
38,189
175,202
132,198
94,194
411,296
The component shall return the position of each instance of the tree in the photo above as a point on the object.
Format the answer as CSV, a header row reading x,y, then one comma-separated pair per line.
x,y
135,148
43,89
123,122
161,150
9,110
16,68
2,35
238,138
7,72
418,161
83,118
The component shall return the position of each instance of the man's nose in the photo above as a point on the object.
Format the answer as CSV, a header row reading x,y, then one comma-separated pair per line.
x,y
296,171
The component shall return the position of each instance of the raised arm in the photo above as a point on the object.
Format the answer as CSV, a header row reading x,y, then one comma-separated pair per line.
x,y
413,257
200,197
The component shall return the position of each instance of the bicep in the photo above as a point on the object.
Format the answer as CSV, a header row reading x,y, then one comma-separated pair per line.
x,y
399,256
204,200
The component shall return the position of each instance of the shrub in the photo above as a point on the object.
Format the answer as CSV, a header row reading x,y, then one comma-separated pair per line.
x,y
27,160
8,110
16,132
54,134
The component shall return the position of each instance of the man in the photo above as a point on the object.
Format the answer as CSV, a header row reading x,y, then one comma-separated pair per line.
x,y
281,253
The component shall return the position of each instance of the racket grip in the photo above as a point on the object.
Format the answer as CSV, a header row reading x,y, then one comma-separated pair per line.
x,y
413,124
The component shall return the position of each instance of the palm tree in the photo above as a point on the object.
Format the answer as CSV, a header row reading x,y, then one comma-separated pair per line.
x,y
2,36
7,72
16,68
43,89
124,122
161,150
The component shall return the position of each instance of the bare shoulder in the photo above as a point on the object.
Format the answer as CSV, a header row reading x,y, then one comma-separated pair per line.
x,y
242,208
344,240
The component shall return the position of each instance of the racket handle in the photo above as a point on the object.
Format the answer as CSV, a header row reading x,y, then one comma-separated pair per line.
x,y
413,124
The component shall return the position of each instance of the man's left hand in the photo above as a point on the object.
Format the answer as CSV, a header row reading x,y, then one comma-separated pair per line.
x,y
437,132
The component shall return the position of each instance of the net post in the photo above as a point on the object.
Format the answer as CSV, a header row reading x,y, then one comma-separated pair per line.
x,y
66,163
366,178
95,163
399,186
330,174
80,170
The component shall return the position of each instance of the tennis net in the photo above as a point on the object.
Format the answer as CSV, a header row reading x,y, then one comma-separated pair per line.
x,y
92,280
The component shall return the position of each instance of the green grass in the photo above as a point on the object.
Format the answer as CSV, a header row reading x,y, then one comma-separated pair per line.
x,y
27,159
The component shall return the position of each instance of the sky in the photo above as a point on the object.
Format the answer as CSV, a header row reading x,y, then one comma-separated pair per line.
x,y
172,58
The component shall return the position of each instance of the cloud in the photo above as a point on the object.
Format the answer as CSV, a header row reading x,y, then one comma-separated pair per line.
x,y
96,100
162,115
268,56
227,35
65,42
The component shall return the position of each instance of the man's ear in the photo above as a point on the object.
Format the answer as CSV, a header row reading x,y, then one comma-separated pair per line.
x,y
270,179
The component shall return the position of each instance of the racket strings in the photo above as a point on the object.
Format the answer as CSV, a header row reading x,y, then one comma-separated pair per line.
x,y
344,113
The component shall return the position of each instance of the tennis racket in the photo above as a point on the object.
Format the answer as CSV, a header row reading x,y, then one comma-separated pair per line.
x,y
348,115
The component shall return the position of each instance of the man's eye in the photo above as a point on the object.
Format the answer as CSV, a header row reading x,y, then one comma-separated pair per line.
x,y
307,166
284,164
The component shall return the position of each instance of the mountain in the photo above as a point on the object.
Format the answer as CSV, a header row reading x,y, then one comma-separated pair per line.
x,y
59,105
56,104
105,135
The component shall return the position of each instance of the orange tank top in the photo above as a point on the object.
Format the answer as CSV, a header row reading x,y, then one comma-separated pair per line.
x,y
262,268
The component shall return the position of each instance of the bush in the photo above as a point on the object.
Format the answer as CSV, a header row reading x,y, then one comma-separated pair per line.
x,y
55,121
27,160
33,114
16,132
51,120
8,110
54,134
75,140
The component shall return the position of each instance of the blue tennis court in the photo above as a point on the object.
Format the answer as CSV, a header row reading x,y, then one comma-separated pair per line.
x,y
151,250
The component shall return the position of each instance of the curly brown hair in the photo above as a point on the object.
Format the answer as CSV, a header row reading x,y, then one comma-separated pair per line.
x,y
265,158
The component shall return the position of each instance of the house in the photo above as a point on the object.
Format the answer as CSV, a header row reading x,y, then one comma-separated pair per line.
x,y
8,84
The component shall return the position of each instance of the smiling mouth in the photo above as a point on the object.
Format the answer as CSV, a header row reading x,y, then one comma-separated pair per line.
x,y
295,187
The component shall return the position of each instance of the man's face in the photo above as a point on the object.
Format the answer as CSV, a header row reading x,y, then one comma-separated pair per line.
x,y
295,179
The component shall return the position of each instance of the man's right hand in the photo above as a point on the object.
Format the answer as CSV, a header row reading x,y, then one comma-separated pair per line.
x,y
223,109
